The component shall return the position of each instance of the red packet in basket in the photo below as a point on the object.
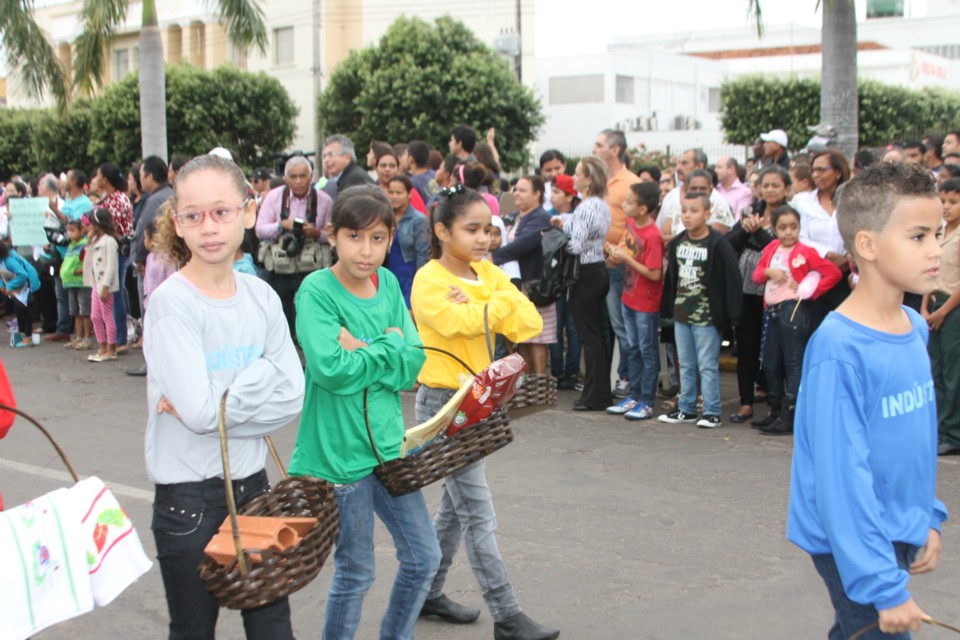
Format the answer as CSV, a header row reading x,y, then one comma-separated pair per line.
x,y
493,387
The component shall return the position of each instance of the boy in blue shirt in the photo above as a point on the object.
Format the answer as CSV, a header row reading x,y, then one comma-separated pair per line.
x,y
862,484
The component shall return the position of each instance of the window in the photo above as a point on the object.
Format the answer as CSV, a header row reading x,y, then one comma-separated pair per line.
x,y
121,64
283,46
884,8
625,90
713,100
576,89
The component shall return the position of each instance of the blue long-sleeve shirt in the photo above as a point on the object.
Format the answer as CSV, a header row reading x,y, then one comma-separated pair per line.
x,y
865,454
22,271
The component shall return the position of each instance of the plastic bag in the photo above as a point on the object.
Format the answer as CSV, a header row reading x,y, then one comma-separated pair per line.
x,y
493,387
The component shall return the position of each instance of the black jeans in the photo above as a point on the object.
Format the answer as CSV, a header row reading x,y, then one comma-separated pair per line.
x,y
286,285
587,299
749,334
185,517
786,342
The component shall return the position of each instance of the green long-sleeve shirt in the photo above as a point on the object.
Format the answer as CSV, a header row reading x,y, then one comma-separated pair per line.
x,y
332,442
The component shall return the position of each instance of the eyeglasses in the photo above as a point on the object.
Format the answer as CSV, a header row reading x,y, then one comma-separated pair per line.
x,y
220,215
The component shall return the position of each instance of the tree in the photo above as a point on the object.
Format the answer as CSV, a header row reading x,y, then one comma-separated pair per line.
x,y
249,113
28,49
838,95
886,113
420,81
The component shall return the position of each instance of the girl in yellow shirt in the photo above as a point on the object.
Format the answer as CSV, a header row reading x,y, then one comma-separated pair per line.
x,y
448,299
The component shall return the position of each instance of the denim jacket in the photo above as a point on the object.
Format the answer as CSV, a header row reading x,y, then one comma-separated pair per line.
x,y
414,237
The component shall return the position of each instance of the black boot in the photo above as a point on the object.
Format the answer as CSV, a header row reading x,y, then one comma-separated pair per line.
x,y
784,424
448,610
773,412
520,626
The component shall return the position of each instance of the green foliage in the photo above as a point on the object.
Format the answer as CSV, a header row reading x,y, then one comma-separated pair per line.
x,y
752,105
420,81
248,113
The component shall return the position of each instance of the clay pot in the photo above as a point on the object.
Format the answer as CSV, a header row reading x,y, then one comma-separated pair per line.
x,y
257,533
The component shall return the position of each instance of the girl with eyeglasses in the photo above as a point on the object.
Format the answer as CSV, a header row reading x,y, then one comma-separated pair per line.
x,y
209,329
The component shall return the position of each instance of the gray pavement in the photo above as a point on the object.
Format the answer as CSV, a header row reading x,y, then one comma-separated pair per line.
x,y
609,529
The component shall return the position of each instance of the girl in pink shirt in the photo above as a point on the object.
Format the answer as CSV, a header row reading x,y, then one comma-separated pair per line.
x,y
793,274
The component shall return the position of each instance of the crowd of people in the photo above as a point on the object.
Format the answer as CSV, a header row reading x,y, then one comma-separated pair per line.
x,y
675,264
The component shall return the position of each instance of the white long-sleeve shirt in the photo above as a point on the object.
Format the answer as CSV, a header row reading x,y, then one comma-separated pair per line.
x,y
818,229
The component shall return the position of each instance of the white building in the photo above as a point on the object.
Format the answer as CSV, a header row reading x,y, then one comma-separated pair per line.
x,y
307,40
674,78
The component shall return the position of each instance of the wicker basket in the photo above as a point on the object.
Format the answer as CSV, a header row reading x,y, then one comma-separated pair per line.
x,y
443,457
537,394
243,584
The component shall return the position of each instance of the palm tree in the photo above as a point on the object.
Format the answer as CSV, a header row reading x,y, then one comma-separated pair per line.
x,y
27,48
839,100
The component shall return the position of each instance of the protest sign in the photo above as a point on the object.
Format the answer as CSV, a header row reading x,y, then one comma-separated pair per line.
x,y
26,221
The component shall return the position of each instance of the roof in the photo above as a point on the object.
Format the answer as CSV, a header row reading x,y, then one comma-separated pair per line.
x,y
766,52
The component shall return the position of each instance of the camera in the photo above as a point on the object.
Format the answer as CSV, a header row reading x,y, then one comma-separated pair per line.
x,y
292,241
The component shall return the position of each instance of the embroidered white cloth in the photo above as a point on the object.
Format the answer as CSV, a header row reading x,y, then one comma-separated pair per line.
x,y
62,553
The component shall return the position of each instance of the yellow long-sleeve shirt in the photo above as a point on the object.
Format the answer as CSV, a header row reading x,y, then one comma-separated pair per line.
x,y
458,327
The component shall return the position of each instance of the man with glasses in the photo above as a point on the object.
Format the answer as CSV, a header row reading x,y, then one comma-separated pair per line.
x,y
290,217
340,165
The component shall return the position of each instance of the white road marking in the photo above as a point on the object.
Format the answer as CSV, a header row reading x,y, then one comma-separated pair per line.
x,y
55,474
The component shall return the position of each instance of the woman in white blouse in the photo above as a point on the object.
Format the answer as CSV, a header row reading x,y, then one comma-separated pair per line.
x,y
818,221
588,229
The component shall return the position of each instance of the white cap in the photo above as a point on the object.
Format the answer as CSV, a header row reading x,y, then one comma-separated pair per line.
x,y
777,135
220,152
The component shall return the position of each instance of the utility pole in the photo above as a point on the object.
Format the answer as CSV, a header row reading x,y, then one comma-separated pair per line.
x,y
519,62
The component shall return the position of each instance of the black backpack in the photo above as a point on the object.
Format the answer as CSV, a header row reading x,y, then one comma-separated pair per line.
x,y
560,269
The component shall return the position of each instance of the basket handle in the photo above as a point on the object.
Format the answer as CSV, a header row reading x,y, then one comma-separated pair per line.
x,y
366,419
29,418
930,621
227,481
487,341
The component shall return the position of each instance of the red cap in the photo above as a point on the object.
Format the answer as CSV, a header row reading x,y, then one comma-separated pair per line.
x,y
565,184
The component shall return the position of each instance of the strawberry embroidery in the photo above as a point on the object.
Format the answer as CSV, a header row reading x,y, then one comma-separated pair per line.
x,y
798,262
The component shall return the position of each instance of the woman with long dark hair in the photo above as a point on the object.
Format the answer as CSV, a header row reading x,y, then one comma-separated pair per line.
x,y
748,238
112,184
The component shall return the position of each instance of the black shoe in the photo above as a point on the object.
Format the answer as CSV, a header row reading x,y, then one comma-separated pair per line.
x,y
782,427
669,392
520,626
739,418
944,449
773,413
140,372
567,384
579,406
449,611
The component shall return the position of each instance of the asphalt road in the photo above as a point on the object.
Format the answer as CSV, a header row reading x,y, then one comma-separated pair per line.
x,y
609,529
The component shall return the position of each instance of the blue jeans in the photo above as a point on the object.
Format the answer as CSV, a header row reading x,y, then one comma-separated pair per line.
x,y
64,319
699,352
466,512
785,342
185,516
408,521
120,302
852,616
569,367
643,354
615,317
